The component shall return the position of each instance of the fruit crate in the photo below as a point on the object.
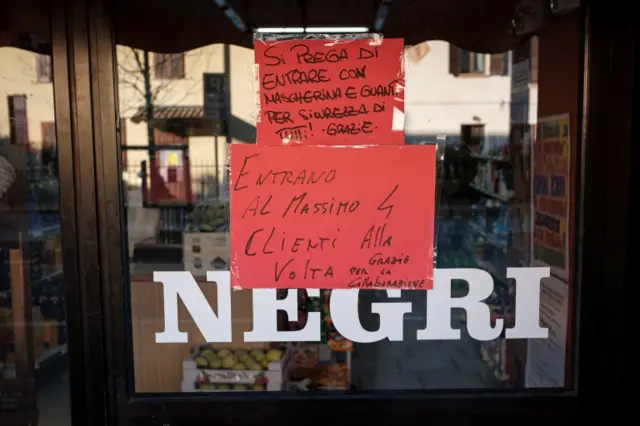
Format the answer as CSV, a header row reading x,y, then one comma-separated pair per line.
x,y
264,375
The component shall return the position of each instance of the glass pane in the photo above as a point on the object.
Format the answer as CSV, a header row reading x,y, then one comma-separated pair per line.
x,y
505,200
33,331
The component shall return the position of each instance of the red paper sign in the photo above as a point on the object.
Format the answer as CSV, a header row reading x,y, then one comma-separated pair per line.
x,y
332,217
328,92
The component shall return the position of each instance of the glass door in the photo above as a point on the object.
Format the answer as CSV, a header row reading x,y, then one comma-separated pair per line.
x,y
506,197
36,288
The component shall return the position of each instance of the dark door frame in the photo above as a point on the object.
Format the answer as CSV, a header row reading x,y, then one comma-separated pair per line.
x,y
84,57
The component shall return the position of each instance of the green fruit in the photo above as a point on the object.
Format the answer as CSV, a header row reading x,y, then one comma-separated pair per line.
x,y
201,362
215,363
258,354
222,353
246,358
240,387
239,366
229,361
258,387
206,386
240,353
209,356
206,352
254,366
223,386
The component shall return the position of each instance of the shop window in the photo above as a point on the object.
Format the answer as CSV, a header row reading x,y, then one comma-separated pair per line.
x,y
472,134
169,66
186,224
466,62
43,68
499,64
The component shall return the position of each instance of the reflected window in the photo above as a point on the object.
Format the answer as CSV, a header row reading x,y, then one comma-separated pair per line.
x,y
44,68
169,66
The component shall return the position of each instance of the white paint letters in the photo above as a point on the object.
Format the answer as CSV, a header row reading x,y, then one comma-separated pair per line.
x,y
344,310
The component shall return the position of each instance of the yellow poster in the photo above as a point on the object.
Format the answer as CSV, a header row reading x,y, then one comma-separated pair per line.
x,y
551,191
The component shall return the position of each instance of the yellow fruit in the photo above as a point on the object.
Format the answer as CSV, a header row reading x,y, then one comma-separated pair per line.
x,y
223,353
274,355
257,354
210,356
240,387
265,362
201,362
239,366
229,361
258,387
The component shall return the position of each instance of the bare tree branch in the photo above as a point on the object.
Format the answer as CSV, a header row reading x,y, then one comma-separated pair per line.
x,y
131,75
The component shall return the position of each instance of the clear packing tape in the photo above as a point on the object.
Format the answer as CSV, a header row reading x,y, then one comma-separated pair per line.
x,y
328,77
333,40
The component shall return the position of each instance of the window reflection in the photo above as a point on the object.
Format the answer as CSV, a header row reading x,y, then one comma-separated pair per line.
x,y
176,194
33,332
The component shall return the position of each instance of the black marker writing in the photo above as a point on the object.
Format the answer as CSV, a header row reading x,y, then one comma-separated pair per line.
x,y
376,237
256,208
272,60
300,205
309,272
303,97
303,177
295,132
328,113
352,129
271,81
384,205
353,73
304,55
246,159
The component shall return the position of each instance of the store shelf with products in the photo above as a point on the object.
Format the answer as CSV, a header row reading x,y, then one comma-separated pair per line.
x,y
477,228
33,348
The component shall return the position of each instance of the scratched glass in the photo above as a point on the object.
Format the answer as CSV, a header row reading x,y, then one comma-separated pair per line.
x,y
181,111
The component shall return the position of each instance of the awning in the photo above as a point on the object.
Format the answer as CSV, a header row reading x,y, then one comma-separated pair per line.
x,y
177,26
174,112
194,123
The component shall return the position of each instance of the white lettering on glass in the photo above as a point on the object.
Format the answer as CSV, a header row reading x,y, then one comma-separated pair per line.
x,y
344,314
440,302
214,328
265,318
344,310
527,321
